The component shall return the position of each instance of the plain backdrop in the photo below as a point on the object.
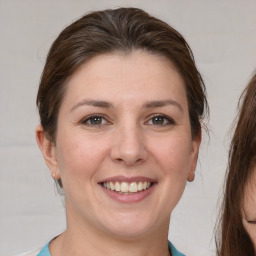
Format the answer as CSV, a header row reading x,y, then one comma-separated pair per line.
x,y
222,35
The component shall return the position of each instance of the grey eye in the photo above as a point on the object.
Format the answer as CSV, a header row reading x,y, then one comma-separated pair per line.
x,y
160,120
95,120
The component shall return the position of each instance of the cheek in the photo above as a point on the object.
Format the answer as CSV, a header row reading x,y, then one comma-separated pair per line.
x,y
173,154
173,157
79,157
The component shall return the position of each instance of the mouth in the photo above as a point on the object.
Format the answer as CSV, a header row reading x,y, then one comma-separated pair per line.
x,y
127,188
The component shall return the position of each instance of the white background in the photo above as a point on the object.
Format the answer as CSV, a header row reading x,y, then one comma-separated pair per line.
x,y
222,35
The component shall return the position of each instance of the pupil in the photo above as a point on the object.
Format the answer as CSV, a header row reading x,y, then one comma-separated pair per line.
x,y
158,120
96,120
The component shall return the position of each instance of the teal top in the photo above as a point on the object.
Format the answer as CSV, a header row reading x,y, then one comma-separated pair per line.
x,y
45,251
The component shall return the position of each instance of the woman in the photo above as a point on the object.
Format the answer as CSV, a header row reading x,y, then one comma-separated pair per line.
x,y
238,220
121,103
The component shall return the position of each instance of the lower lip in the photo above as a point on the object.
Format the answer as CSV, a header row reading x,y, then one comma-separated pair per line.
x,y
131,198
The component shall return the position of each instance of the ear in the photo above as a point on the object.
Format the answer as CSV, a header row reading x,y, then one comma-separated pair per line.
x,y
194,156
48,150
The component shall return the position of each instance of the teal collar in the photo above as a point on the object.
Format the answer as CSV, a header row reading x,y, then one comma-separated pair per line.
x,y
173,250
45,251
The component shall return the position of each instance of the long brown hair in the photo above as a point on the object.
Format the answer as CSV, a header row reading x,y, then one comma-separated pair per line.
x,y
232,239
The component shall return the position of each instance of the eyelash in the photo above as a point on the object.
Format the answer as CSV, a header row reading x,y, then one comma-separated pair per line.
x,y
165,120
90,118
251,221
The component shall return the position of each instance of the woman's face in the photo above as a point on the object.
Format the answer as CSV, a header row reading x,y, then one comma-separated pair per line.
x,y
123,147
249,210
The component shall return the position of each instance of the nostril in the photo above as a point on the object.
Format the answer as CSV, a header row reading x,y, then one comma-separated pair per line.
x,y
139,160
129,161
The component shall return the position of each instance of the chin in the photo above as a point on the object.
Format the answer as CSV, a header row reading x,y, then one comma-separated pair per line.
x,y
128,233
130,226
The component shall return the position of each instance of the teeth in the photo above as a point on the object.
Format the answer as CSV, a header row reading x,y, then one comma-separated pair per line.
x,y
112,186
140,186
124,187
127,188
117,187
133,187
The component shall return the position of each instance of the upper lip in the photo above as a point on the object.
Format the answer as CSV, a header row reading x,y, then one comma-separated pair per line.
x,y
127,179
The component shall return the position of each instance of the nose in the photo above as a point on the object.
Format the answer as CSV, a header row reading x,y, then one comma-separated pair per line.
x,y
129,146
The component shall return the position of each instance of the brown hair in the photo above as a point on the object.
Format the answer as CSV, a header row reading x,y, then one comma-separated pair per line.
x,y
234,240
120,30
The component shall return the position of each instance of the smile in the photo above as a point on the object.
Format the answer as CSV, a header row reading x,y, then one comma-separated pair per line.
x,y
127,187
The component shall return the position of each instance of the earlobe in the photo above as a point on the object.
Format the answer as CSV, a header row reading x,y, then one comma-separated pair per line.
x,y
194,156
48,150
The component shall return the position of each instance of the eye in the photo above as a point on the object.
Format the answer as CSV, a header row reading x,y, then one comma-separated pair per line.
x,y
95,120
251,221
161,120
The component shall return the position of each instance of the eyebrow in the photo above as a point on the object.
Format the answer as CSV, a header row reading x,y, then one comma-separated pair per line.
x,y
149,104
162,103
94,103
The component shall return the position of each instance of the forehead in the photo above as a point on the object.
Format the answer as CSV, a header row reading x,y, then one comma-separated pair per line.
x,y
139,74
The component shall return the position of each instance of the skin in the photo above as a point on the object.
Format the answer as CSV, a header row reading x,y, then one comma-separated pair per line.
x,y
128,142
249,209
